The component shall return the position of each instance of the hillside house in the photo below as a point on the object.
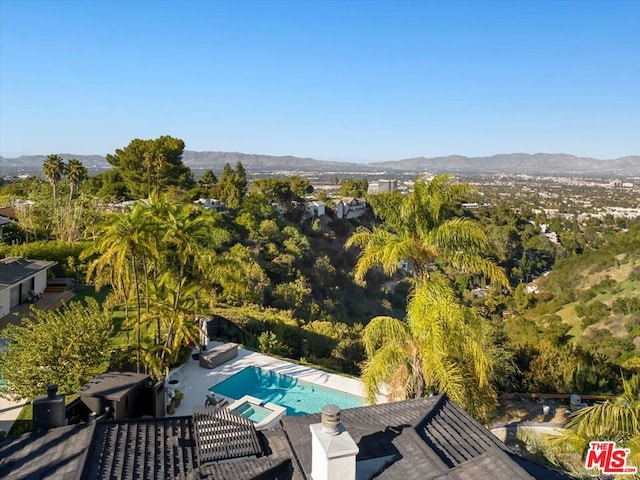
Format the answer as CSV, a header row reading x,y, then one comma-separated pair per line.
x,y
211,204
350,207
315,208
21,281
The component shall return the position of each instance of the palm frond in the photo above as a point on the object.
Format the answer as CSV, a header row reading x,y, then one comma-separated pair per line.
x,y
384,330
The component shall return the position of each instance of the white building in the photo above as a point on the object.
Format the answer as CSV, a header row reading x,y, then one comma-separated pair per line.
x,y
211,204
20,281
383,186
316,208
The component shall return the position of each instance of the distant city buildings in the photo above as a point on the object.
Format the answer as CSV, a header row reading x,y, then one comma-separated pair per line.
x,y
382,186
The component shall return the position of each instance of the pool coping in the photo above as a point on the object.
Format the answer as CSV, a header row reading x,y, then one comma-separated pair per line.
x,y
194,381
271,420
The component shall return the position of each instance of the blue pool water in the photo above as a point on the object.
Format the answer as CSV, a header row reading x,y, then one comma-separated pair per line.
x,y
254,413
297,396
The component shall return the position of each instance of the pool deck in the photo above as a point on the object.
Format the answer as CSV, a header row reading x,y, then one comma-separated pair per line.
x,y
9,411
194,381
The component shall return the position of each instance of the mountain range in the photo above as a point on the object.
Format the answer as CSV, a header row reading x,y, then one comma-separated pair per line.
x,y
513,163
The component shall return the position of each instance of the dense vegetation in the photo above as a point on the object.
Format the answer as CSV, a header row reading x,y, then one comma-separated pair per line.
x,y
456,318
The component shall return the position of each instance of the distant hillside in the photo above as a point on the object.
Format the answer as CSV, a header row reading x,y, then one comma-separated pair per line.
x,y
33,163
539,163
514,163
264,163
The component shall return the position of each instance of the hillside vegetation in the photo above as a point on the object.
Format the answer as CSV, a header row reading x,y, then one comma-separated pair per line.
x,y
589,305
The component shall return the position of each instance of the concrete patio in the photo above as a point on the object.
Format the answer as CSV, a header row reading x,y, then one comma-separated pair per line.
x,y
194,381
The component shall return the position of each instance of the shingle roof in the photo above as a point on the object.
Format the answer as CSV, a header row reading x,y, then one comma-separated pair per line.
x,y
420,439
429,438
59,454
13,270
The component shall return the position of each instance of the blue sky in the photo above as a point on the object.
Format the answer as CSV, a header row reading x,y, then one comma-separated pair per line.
x,y
357,81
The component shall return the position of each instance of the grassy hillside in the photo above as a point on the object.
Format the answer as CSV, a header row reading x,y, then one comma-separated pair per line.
x,y
597,295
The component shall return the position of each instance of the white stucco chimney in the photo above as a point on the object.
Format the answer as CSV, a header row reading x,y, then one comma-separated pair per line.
x,y
332,448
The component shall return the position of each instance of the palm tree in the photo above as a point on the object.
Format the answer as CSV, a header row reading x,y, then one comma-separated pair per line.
x,y
125,248
442,345
615,420
421,227
440,348
53,168
186,241
76,174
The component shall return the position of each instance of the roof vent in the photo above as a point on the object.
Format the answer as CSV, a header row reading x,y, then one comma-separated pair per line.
x,y
331,419
52,390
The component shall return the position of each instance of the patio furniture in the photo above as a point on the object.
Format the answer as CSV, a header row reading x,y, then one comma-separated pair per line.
x,y
576,403
218,355
215,401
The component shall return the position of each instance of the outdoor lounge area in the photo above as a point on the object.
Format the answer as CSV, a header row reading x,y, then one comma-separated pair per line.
x,y
195,382
218,355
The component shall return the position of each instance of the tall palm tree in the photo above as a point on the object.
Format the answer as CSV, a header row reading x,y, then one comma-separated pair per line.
x,y
187,241
442,346
125,248
421,227
76,174
53,168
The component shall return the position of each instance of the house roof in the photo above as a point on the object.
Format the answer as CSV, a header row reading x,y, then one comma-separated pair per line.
x,y
141,449
14,270
429,438
58,454
424,438
112,385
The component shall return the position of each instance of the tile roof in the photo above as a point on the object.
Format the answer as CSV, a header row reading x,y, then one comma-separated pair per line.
x,y
429,438
222,434
141,449
278,463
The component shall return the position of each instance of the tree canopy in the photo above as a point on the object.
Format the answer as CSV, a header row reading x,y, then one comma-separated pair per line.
x,y
147,165
66,347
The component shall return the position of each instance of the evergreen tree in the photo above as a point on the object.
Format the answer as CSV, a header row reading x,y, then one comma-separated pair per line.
x,y
144,163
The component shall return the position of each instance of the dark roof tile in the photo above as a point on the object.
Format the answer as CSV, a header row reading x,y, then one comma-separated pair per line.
x,y
56,454
142,449
13,270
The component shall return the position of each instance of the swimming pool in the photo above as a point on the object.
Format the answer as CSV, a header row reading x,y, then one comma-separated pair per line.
x,y
255,413
297,396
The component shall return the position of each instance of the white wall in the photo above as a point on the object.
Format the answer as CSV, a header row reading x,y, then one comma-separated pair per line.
x,y
41,281
4,302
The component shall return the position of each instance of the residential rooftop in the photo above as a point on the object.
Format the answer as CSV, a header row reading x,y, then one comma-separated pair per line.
x,y
424,438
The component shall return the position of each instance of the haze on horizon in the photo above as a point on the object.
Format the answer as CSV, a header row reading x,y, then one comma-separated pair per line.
x,y
346,81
